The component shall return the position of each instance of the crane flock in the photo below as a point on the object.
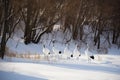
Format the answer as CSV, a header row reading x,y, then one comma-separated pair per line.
x,y
66,53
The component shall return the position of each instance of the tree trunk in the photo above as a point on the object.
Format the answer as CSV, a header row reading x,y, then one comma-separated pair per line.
x,y
75,33
98,47
113,38
81,32
28,27
3,41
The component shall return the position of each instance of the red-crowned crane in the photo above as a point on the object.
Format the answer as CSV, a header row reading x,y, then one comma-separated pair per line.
x,y
89,54
57,53
46,52
67,53
76,53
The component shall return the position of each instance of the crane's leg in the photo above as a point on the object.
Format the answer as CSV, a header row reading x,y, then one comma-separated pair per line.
x,y
88,58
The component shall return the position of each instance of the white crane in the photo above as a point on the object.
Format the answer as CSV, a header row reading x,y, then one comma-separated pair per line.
x,y
56,53
76,53
67,54
46,52
89,54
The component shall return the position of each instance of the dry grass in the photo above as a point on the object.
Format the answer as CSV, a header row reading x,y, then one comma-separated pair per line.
x,y
26,55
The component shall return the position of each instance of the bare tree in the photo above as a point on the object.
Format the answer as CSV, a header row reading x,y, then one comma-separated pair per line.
x,y
10,21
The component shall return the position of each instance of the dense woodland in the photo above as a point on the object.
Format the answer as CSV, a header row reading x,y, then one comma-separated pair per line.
x,y
39,17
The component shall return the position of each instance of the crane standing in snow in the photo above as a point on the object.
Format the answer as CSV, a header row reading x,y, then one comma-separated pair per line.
x,y
57,53
67,54
76,53
46,52
89,54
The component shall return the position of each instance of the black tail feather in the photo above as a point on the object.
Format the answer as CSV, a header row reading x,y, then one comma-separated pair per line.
x,y
60,52
71,55
92,57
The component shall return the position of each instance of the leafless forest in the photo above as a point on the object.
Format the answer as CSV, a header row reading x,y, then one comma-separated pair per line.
x,y
39,17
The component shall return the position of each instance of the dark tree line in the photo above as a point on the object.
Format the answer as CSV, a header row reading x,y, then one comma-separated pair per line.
x,y
9,19
39,16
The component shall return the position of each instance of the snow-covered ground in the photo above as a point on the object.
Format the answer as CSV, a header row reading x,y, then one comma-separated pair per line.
x,y
22,69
